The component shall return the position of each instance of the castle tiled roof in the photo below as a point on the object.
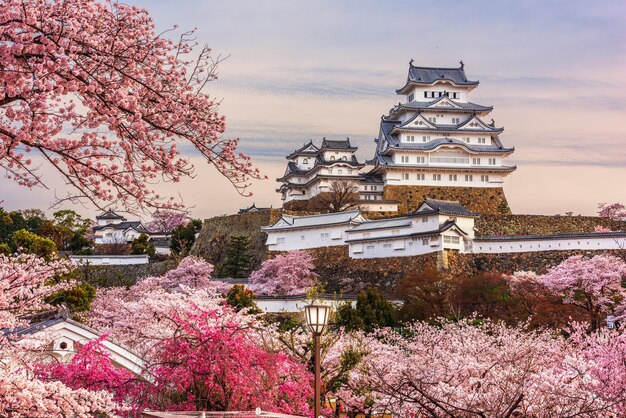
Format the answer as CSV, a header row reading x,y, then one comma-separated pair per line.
x,y
307,149
109,214
295,222
448,207
462,106
430,75
438,142
338,145
136,225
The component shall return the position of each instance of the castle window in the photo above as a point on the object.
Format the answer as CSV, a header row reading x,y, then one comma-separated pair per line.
x,y
330,171
386,245
469,177
484,179
467,140
365,187
405,176
451,240
432,119
280,240
492,161
370,247
305,161
324,235
452,177
410,138
440,93
455,120
475,161
482,140
426,94
424,241
437,177
421,160
301,237
344,158
340,171
404,158
425,219
411,97
421,176
332,158
455,95
425,138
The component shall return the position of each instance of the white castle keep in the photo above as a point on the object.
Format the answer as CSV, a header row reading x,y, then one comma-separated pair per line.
x,y
434,137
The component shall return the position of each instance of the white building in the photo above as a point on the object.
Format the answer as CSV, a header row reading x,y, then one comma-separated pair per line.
x,y
66,336
113,228
437,137
436,225
301,232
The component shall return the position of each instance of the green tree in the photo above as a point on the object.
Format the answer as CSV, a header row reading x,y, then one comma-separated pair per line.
x,y
241,298
372,310
184,237
34,244
237,257
142,245
67,224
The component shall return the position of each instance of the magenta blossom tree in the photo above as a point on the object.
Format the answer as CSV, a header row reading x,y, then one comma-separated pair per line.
x,y
90,88
615,211
167,220
594,284
287,274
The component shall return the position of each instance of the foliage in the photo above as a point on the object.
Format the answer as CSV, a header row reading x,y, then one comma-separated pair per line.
x,y
167,220
90,368
483,368
341,196
142,245
594,284
372,311
184,236
61,90
31,243
68,227
241,298
76,299
287,274
615,211
237,257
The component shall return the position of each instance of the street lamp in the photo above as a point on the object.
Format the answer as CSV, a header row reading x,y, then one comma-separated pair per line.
x,y
317,319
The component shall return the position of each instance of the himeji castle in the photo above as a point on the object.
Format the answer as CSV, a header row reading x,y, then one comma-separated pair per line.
x,y
437,137
434,143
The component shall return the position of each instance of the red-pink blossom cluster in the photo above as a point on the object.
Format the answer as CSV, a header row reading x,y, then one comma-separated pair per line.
x,y
287,274
167,220
90,88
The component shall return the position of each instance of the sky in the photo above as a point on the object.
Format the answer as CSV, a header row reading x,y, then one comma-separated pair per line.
x,y
555,72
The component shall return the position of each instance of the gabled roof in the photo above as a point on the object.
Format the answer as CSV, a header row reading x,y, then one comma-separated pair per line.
x,y
436,106
446,226
431,75
447,207
381,224
296,222
252,208
338,145
109,214
122,226
307,149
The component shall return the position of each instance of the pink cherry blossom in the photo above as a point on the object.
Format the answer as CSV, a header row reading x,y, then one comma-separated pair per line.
x,y
286,274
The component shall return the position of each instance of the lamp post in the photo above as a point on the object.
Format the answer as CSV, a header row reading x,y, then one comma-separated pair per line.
x,y
317,319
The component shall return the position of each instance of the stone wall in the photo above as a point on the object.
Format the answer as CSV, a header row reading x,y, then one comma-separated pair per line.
x,y
489,225
483,200
122,275
216,232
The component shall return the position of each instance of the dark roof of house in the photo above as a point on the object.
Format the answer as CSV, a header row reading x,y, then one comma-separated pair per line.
x,y
253,208
442,228
469,106
437,142
303,150
430,75
124,225
109,214
331,144
450,207
581,235
161,242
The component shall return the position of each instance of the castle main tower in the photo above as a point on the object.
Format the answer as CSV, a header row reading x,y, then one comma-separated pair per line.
x,y
436,143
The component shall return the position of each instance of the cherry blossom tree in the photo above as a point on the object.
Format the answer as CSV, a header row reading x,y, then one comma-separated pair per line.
x,y
287,274
473,368
593,284
167,220
615,211
90,88
23,288
600,228
211,367
91,368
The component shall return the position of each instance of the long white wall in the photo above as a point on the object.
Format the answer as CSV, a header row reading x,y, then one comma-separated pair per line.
x,y
560,244
300,239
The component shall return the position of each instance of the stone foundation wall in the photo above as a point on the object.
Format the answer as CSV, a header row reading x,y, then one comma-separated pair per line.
x,y
483,200
215,235
122,275
489,225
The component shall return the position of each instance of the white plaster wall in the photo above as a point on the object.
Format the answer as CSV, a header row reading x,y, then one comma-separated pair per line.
x,y
393,177
441,86
294,305
373,206
98,260
401,247
306,238
600,243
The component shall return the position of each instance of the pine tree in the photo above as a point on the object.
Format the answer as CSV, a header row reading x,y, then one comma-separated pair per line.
x,y
237,257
